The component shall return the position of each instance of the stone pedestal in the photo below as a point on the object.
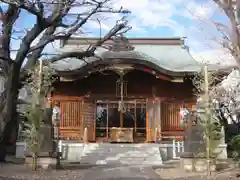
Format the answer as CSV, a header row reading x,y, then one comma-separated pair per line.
x,y
46,156
46,139
42,162
194,139
221,150
195,164
194,157
20,149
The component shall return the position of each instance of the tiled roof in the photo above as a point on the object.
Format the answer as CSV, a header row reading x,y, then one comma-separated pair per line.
x,y
173,58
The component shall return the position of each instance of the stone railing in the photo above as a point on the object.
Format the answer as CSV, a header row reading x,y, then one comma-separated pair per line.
x,y
177,148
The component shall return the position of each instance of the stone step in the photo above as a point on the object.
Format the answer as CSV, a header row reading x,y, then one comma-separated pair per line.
x,y
110,145
134,154
121,154
144,152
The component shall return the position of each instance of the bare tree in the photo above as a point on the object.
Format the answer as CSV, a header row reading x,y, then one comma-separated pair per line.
x,y
230,34
227,36
226,97
54,21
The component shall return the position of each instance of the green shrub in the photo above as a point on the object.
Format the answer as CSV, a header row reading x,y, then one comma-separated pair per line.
x,y
235,144
32,133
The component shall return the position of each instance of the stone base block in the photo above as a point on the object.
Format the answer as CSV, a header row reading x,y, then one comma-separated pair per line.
x,y
42,162
20,149
200,165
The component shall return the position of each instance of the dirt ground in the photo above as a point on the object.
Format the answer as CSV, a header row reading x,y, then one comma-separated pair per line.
x,y
179,174
79,172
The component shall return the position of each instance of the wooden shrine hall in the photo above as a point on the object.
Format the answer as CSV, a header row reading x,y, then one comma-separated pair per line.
x,y
131,91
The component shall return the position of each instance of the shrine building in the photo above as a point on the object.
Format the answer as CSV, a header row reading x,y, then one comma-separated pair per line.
x,y
131,91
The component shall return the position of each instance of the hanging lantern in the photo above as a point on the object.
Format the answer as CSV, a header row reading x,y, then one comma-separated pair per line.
x,y
121,90
121,85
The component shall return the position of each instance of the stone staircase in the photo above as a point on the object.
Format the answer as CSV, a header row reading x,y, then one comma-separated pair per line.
x,y
117,154
130,154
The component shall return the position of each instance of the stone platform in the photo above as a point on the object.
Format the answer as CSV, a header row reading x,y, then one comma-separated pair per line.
x,y
112,153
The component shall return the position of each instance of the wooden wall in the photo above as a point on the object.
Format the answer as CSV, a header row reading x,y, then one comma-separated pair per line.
x,y
76,115
139,84
163,119
170,119
77,101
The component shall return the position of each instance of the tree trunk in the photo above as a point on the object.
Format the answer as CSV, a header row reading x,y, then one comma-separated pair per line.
x,y
8,114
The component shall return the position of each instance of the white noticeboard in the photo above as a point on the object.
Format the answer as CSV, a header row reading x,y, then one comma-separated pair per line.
x,y
183,112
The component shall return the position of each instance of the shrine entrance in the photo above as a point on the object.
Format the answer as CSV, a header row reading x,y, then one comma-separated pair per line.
x,y
109,116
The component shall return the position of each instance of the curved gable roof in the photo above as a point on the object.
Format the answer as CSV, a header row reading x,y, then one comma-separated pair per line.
x,y
171,58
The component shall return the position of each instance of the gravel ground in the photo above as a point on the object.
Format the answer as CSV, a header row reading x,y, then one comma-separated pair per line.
x,y
20,172
86,172
179,174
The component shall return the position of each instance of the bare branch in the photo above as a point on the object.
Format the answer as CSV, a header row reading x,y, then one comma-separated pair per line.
x,y
59,11
8,19
90,50
35,54
228,7
72,24
29,6
231,42
77,24
73,29
1,13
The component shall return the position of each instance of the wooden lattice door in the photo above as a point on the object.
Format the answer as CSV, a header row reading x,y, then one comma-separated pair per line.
x,y
71,121
170,116
89,118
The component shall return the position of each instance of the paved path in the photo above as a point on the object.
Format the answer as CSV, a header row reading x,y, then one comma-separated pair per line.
x,y
18,172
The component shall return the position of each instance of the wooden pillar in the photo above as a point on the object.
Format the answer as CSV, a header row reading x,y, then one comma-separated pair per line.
x,y
135,117
85,135
157,119
154,120
107,121
121,118
82,120
149,119
160,121
147,130
94,119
